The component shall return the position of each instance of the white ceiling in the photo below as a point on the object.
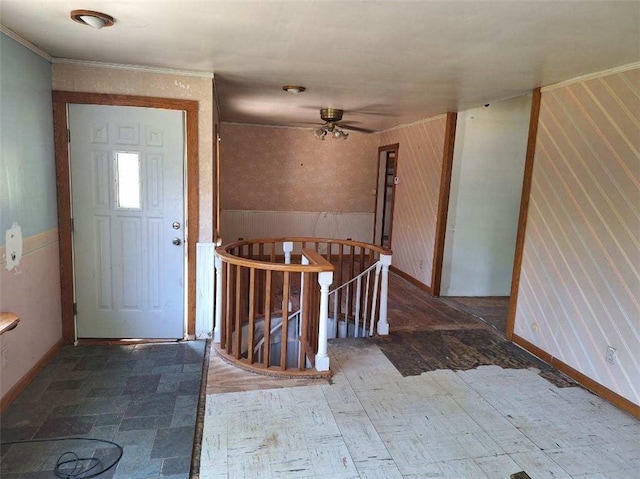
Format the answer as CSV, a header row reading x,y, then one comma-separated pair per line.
x,y
384,62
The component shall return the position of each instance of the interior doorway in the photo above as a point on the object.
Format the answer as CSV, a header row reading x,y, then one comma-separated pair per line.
x,y
483,211
385,194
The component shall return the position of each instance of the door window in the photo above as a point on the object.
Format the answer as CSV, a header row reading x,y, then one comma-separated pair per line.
x,y
127,178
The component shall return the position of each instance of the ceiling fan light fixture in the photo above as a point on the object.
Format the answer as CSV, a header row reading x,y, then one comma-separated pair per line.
x,y
293,88
320,133
330,116
92,19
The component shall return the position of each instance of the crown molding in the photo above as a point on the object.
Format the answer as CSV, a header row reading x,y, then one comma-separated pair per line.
x,y
124,66
591,76
25,43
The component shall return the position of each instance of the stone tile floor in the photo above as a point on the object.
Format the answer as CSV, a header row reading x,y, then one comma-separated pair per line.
x,y
372,422
143,397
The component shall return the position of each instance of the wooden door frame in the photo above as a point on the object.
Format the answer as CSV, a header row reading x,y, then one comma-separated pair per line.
x,y
387,148
61,100
443,201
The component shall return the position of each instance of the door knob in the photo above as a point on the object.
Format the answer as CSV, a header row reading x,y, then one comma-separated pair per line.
x,y
177,241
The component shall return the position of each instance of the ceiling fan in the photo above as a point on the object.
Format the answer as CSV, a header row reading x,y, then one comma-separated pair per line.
x,y
331,127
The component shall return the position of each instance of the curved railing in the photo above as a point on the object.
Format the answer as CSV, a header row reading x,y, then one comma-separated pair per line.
x,y
278,300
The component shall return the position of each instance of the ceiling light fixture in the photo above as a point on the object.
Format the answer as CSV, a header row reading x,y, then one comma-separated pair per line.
x,y
93,19
320,133
293,88
332,130
331,117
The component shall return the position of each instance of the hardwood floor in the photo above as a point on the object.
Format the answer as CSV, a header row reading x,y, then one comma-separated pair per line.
x,y
223,377
493,310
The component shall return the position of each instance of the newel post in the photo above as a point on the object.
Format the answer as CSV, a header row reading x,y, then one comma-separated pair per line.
x,y
383,323
218,314
287,248
322,358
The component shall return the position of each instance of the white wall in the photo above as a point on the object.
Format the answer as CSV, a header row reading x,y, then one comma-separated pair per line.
x,y
486,184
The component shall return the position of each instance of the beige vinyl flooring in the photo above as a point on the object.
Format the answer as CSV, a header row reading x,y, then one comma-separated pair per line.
x,y
371,422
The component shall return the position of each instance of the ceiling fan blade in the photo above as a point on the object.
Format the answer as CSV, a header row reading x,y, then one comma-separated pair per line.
x,y
375,109
356,128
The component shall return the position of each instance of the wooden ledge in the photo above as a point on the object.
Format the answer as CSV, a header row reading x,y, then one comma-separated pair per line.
x,y
8,321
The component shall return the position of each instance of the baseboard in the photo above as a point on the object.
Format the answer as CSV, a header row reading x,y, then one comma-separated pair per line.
x,y
21,385
411,280
593,386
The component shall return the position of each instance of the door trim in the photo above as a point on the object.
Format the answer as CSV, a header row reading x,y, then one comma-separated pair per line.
x,y
63,186
394,147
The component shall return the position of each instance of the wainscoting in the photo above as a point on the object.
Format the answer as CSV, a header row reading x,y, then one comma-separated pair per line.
x,y
270,224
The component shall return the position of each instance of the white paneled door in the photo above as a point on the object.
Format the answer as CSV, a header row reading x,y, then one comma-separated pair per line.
x,y
127,182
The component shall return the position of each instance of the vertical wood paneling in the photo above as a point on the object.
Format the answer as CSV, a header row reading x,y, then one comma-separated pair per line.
x,y
579,288
416,198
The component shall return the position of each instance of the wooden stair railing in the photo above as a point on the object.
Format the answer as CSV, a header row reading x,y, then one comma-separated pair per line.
x,y
262,282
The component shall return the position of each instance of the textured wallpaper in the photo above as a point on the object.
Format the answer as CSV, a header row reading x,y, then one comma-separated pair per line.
x,y
287,169
580,284
81,78
416,199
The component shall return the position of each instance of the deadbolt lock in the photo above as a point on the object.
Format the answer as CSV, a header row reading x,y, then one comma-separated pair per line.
x,y
176,225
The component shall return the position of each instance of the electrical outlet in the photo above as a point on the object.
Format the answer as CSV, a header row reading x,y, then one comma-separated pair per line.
x,y
611,355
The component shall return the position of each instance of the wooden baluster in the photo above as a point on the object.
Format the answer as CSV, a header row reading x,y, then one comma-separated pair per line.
x,y
352,258
252,315
230,310
285,321
224,303
238,319
316,312
267,319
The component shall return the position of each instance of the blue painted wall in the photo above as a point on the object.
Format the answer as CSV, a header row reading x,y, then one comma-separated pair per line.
x,y
27,158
